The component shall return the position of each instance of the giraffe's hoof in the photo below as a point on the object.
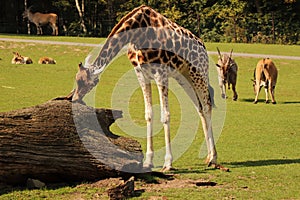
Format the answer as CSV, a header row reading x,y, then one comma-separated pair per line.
x,y
274,102
224,96
148,166
211,164
267,101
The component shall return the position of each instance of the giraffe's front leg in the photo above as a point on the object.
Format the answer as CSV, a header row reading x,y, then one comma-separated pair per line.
x,y
149,119
146,89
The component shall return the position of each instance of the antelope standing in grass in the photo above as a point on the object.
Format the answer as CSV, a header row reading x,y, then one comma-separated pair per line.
x,y
41,19
18,59
265,74
227,70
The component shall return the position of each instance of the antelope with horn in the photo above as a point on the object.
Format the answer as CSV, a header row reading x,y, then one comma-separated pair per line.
x,y
227,70
18,59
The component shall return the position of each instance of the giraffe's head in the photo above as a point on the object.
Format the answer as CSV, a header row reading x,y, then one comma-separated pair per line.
x,y
85,83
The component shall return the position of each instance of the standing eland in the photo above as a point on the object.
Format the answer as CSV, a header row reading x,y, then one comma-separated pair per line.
x,y
41,19
265,74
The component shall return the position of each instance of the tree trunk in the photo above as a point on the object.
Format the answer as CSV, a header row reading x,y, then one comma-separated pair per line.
x,y
28,22
81,15
60,141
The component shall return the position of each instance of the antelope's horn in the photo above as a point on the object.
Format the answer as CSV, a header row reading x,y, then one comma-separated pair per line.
x,y
230,53
219,53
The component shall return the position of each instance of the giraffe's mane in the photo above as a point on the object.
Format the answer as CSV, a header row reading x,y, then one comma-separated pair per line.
x,y
126,17
134,11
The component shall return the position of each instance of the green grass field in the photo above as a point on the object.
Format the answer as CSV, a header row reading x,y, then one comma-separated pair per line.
x,y
259,143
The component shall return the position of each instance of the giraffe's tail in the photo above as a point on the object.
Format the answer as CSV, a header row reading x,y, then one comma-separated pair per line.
x,y
211,95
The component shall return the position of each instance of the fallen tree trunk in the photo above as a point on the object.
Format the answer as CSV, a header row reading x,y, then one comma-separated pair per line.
x,y
60,141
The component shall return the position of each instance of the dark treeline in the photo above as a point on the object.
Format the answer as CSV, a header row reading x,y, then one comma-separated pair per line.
x,y
264,21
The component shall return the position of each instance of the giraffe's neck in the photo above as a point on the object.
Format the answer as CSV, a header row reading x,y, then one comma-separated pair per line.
x,y
146,29
117,39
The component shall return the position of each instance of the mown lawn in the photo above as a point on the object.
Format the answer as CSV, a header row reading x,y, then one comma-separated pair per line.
x,y
259,143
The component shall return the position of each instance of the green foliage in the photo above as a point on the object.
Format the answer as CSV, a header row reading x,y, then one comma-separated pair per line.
x,y
258,21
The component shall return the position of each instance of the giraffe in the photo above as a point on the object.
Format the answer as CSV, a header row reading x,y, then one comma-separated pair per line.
x,y
158,49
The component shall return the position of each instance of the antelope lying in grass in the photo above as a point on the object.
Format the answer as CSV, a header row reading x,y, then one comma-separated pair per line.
x,y
265,74
46,60
18,59
41,19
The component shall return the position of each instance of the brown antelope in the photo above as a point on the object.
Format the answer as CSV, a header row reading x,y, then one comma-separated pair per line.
x,y
46,60
227,70
18,59
41,19
265,74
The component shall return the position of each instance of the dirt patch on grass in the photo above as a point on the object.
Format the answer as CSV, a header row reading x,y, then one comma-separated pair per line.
x,y
155,185
107,183
175,183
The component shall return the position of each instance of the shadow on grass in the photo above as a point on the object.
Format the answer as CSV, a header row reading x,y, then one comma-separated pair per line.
x,y
251,100
291,102
259,163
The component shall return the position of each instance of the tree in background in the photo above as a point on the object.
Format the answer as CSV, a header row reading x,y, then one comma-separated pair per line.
x,y
265,21
80,10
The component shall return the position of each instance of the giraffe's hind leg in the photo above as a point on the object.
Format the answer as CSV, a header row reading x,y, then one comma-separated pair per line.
x,y
206,119
199,94
208,133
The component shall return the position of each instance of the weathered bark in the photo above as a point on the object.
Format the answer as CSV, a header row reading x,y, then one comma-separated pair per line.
x,y
63,141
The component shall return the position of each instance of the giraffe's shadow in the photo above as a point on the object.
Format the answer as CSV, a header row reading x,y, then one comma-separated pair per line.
x,y
260,163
